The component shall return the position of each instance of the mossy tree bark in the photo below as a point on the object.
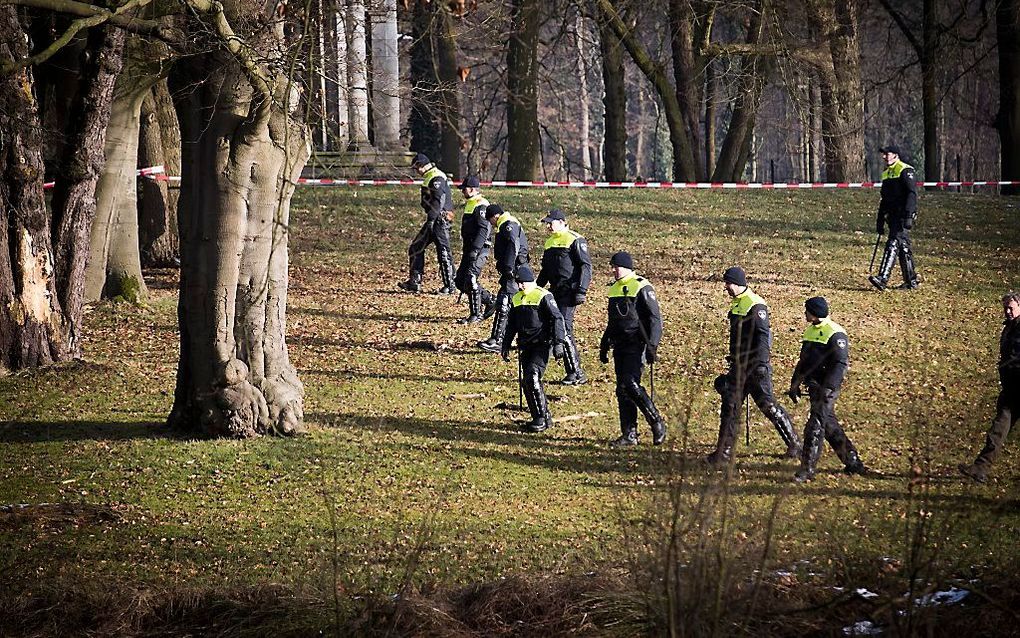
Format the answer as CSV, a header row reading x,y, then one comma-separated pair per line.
x,y
243,151
614,144
159,144
43,262
522,91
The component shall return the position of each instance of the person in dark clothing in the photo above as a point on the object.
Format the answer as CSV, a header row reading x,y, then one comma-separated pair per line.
x,y
633,331
510,252
474,232
537,323
437,202
566,269
1007,407
824,357
750,370
898,207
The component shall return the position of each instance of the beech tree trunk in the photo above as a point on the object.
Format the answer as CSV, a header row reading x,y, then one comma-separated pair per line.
x,y
582,82
242,157
691,26
522,91
449,99
1007,26
43,262
159,144
614,150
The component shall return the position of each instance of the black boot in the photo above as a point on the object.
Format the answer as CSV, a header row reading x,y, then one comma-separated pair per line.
x,y
413,283
852,464
474,307
813,441
628,436
881,280
572,365
446,272
488,303
907,268
781,421
644,403
495,341
537,405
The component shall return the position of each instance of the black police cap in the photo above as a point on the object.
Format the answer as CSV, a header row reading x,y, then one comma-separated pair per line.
x,y
420,159
471,181
890,148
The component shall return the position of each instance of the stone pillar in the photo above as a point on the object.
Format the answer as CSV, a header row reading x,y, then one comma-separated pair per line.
x,y
385,75
334,46
357,75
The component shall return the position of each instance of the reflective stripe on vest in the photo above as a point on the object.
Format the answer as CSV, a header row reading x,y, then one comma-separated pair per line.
x,y
473,203
504,218
530,297
561,239
743,303
892,172
823,331
431,174
627,286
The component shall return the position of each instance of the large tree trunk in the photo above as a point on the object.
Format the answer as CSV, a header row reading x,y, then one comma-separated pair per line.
x,y
1007,19
43,261
423,120
449,98
522,91
691,27
159,144
614,151
929,93
242,159
835,23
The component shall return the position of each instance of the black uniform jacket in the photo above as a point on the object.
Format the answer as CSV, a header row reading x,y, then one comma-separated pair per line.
x,y
566,264
510,248
1009,356
634,317
436,197
474,228
899,193
824,356
534,319
750,335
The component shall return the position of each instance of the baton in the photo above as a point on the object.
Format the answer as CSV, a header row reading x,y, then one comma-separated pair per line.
x,y
747,422
651,379
871,266
520,382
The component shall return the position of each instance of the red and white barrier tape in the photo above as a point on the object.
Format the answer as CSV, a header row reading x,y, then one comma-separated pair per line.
x,y
159,173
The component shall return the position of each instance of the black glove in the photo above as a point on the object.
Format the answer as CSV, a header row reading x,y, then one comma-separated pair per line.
x,y
506,355
559,351
794,393
650,352
579,298
880,226
721,384
908,223
473,255
828,393
604,356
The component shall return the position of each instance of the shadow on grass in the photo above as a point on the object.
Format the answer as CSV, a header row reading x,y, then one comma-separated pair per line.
x,y
44,431
358,316
347,375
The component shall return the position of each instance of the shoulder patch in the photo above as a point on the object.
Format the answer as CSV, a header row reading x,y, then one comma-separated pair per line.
x,y
841,343
762,314
584,247
651,293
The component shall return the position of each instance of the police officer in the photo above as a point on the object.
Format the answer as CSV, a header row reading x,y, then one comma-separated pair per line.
x,y
510,252
437,202
1007,407
824,356
899,208
474,232
566,268
537,323
633,331
750,370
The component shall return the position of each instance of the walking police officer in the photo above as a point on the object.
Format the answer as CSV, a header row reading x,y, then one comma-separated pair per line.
x,y
537,323
898,207
510,252
566,268
474,232
824,356
437,202
750,370
633,331
1007,408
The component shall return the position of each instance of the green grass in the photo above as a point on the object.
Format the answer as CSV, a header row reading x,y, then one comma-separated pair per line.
x,y
409,470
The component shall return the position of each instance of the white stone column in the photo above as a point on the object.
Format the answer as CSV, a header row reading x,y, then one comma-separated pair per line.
x,y
385,75
339,71
357,74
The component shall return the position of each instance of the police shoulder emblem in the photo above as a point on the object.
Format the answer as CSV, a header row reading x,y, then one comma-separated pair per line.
x,y
762,314
841,343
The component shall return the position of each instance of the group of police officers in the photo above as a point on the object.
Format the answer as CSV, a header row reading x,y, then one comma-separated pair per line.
x,y
538,312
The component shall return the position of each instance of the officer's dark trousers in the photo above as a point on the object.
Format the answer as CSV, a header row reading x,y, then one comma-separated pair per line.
x,y
628,361
1007,411
758,383
432,232
898,246
507,289
822,425
534,358
469,269
567,309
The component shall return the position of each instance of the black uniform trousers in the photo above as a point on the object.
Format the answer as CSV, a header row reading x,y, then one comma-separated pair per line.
x,y
567,307
822,422
898,246
1007,411
757,383
628,361
431,232
469,270
533,360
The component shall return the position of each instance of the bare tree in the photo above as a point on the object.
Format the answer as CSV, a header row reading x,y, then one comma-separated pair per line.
x,y
1007,21
522,91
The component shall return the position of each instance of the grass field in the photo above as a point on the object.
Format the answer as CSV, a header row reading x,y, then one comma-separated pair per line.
x,y
403,482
